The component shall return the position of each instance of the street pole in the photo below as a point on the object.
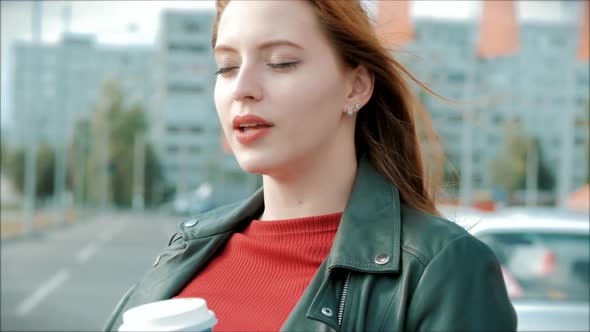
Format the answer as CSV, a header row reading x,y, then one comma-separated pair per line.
x,y
532,174
138,171
62,131
181,184
67,17
103,134
80,169
31,149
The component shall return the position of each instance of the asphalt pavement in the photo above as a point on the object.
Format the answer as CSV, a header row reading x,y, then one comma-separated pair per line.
x,y
70,278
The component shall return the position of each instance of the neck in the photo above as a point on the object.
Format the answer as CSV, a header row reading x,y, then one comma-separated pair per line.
x,y
314,187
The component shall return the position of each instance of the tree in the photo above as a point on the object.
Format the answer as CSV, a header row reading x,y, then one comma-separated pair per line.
x,y
106,143
3,155
156,189
510,167
546,178
15,169
79,160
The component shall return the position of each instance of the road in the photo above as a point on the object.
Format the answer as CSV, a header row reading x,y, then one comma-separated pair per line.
x,y
70,278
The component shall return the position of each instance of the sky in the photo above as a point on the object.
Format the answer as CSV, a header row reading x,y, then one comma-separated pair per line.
x,y
136,22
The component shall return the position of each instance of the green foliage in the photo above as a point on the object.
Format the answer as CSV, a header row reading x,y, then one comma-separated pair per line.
x,y
105,145
125,125
111,124
546,179
45,171
510,167
3,155
15,169
155,187
80,160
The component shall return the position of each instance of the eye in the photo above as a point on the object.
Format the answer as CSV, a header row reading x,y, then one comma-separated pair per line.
x,y
283,65
224,70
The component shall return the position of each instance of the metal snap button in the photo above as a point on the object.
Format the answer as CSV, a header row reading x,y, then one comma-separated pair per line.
x,y
381,259
157,261
327,312
190,223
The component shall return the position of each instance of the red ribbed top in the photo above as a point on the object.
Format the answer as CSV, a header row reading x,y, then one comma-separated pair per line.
x,y
260,275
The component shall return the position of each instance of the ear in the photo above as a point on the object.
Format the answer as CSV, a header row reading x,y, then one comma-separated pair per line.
x,y
361,86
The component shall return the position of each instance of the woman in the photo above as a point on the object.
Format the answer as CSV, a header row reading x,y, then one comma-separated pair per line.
x,y
344,234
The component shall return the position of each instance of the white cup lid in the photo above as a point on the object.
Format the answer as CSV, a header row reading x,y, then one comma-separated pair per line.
x,y
169,315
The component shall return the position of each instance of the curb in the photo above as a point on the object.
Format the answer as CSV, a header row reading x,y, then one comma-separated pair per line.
x,y
14,227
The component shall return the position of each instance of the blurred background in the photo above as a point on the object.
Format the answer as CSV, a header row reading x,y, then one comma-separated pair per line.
x,y
108,125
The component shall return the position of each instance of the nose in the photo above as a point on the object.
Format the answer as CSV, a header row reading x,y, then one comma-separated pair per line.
x,y
247,85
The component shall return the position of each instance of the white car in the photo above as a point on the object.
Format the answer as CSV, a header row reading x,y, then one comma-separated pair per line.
x,y
545,259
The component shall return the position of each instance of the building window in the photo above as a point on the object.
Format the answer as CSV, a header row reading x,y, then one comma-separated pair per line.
x,y
172,148
190,48
498,119
195,149
456,77
184,88
195,129
191,27
171,129
455,118
477,179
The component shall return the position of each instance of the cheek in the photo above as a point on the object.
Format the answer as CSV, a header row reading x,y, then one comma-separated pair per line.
x,y
317,97
222,103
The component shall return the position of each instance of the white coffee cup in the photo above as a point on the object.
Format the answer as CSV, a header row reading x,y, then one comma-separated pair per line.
x,y
180,314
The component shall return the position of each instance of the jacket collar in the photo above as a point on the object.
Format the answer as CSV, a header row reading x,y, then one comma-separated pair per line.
x,y
370,227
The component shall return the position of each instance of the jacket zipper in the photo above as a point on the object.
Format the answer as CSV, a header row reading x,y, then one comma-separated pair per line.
x,y
343,299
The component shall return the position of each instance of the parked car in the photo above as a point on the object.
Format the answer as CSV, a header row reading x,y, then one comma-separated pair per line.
x,y
194,202
545,260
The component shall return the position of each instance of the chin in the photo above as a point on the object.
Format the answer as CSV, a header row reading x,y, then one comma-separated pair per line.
x,y
256,164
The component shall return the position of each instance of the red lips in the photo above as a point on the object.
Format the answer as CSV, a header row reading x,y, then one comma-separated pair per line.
x,y
249,128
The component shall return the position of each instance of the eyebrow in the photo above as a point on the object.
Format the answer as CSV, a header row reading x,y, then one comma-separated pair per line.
x,y
262,46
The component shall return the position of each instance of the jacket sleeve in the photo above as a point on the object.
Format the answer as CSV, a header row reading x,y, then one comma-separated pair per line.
x,y
462,289
115,316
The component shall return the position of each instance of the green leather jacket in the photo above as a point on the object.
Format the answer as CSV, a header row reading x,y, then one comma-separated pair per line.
x,y
391,268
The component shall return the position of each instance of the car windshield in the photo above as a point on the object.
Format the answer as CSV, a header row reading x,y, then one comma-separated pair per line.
x,y
543,266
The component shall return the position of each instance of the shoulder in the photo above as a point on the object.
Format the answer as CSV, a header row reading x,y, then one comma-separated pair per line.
x,y
207,219
425,236
223,219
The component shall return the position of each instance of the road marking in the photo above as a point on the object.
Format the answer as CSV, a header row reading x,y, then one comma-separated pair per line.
x,y
86,253
42,292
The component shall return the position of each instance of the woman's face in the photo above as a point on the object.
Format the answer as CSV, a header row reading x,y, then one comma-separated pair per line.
x,y
275,63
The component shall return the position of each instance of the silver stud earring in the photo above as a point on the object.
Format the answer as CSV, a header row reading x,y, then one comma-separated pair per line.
x,y
357,106
350,111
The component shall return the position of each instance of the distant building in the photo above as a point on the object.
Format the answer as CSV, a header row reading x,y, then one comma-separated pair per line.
x,y
56,84
543,86
186,127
